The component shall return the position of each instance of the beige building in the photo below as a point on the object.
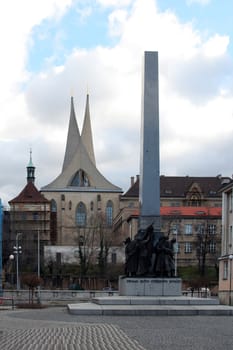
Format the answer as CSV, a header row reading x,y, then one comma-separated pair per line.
x,y
190,210
226,258
80,196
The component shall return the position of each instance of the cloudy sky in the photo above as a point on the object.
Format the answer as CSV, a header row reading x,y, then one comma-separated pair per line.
x,y
52,49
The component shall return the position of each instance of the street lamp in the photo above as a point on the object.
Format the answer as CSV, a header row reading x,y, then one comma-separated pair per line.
x,y
11,257
17,251
230,258
38,260
175,250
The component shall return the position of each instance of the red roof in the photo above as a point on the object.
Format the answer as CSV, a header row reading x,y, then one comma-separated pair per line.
x,y
191,211
29,194
186,211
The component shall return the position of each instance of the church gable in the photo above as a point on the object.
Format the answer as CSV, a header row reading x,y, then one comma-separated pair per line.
x,y
79,170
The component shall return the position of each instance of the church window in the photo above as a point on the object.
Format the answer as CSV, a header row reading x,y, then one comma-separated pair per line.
x,y
62,197
53,206
80,179
81,214
70,205
92,206
109,213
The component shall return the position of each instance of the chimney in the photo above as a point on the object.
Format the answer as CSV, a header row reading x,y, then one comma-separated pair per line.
x,y
132,180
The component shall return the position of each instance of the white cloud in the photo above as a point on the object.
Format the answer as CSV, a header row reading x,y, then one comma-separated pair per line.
x,y
216,46
195,84
116,21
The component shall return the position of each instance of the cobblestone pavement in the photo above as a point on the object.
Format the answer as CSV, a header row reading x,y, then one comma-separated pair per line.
x,y
149,332
83,337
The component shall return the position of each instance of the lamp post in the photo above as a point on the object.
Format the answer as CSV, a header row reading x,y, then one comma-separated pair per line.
x,y
17,251
11,257
175,249
230,258
38,260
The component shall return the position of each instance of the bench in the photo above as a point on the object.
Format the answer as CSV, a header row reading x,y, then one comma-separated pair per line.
x,y
2,299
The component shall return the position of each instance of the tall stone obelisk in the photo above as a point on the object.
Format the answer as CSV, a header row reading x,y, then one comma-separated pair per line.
x,y
149,188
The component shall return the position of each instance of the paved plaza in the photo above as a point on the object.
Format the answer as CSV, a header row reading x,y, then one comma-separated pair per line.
x,y
54,328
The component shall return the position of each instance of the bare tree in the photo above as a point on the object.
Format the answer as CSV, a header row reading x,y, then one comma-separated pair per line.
x,y
85,240
94,242
206,245
104,245
32,281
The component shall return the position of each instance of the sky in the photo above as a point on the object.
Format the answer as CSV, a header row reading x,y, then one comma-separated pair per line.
x,y
54,49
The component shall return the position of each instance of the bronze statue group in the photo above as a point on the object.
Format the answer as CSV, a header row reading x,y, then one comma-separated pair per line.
x,y
143,257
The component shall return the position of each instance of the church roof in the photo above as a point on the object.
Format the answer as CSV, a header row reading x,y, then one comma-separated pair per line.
x,y
79,160
29,194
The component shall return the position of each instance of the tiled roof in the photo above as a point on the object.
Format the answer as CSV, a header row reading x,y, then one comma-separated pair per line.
x,y
178,186
29,194
186,211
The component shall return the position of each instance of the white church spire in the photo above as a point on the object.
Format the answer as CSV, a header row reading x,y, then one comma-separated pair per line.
x,y
86,135
73,137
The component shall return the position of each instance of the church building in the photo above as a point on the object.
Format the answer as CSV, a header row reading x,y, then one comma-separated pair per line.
x,y
80,195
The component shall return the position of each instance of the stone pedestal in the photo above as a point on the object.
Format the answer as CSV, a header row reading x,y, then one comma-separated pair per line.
x,y
149,286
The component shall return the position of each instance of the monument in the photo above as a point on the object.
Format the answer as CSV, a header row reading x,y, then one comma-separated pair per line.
x,y
149,286
149,263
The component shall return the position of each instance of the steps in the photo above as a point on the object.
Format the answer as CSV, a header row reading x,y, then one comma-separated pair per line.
x,y
151,306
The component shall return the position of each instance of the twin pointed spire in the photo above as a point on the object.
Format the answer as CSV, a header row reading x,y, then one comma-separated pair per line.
x,y
86,136
79,171
74,138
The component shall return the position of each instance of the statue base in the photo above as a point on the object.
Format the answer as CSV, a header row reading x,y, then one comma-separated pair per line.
x,y
150,286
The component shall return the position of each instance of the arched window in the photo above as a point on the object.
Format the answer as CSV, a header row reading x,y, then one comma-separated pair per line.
x,y
70,205
81,214
53,206
109,213
80,179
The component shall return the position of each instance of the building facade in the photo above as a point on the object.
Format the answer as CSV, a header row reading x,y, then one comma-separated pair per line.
x,y
190,209
82,199
29,223
226,258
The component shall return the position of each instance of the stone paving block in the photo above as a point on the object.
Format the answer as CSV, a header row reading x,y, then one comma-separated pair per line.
x,y
89,337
